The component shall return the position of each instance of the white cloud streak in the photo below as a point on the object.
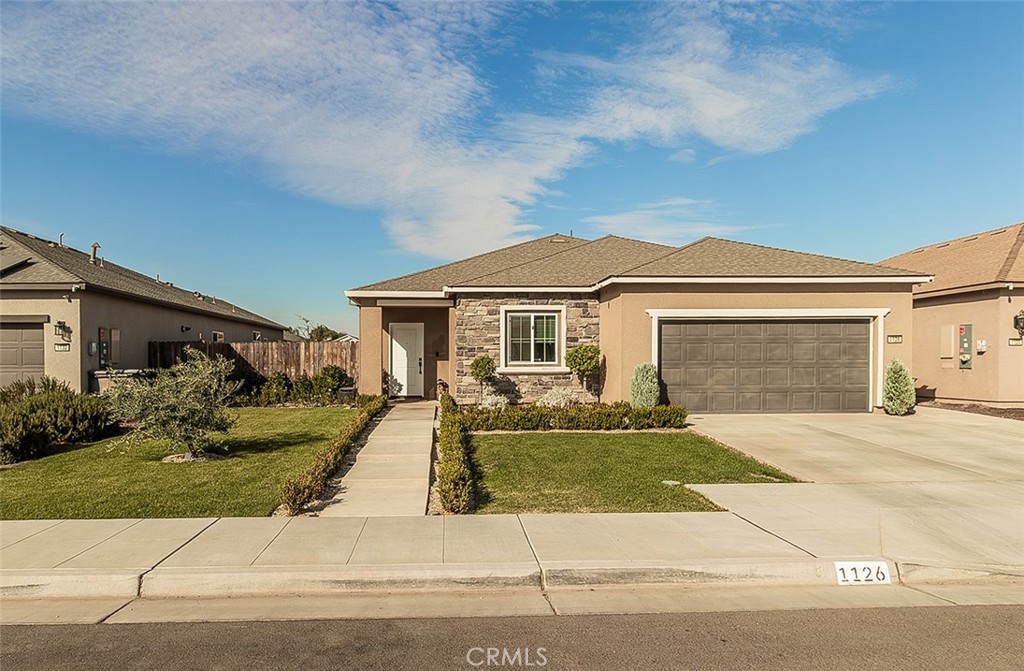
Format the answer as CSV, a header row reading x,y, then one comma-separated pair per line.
x,y
382,106
672,221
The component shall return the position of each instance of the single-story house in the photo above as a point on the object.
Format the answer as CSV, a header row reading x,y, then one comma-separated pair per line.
x,y
969,322
731,327
67,313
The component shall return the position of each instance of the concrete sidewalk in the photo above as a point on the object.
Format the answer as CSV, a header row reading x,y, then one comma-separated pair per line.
x,y
391,474
272,556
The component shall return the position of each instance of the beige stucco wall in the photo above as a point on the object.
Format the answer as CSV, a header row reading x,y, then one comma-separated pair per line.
x,y
375,343
997,375
65,366
371,349
626,329
88,311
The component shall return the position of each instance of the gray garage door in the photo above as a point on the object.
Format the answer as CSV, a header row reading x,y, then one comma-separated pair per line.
x,y
771,366
21,352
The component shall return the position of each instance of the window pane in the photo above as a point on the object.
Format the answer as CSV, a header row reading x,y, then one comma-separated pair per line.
x,y
544,352
544,338
519,338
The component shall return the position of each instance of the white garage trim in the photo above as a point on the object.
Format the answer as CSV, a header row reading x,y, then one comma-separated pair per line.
x,y
761,314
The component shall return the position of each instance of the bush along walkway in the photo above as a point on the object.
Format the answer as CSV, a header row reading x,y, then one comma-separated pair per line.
x,y
301,490
391,473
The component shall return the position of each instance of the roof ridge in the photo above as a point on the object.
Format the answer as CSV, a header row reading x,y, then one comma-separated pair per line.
x,y
815,254
961,238
1011,257
9,230
475,256
539,258
665,255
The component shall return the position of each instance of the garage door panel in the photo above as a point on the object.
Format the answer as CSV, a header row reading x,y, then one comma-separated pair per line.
x,y
768,366
22,352
723,377
802,401
723,351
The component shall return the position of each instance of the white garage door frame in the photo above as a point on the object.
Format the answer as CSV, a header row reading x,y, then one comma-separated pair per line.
x,y
877,315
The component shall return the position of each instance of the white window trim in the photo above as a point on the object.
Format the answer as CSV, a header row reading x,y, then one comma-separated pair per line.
x,y
505,367
877,315
214,334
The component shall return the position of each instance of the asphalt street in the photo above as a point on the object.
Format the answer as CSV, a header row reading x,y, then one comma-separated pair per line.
x,y
927,638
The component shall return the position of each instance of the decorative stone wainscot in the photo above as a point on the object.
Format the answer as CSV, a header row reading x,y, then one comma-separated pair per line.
x,y
478,331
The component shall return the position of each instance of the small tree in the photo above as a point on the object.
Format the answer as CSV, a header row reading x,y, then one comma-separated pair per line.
x,y
585,361
898,394
482,369
181,404
316,333
644,387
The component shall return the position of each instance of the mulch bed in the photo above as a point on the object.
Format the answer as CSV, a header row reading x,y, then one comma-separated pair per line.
x,y
979,409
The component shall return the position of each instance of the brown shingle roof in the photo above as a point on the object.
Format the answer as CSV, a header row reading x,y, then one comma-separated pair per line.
x,y
574,262
459,272
984,258
581,266
714,257
31,260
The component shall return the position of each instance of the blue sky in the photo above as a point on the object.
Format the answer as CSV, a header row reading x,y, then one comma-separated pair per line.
x,y
277,154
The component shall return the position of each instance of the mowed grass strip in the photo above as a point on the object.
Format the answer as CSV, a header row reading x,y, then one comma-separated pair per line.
x,y
600,472
265,447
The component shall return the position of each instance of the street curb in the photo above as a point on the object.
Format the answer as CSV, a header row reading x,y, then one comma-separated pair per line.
x,y
914,573
272,580
783,572
69,583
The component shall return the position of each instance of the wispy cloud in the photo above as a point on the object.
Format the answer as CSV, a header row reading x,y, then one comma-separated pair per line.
x,y
385,106
672,221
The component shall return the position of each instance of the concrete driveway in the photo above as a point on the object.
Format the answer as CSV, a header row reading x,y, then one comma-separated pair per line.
x,y
930,446
940,487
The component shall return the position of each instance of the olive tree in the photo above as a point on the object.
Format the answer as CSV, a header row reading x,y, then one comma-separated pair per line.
x,y
181,404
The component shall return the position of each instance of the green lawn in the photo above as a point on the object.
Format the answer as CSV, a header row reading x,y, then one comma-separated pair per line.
x,y
605,472
266,446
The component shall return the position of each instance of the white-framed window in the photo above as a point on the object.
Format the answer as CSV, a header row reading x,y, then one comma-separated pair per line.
x,y
532,338
218,336
257,336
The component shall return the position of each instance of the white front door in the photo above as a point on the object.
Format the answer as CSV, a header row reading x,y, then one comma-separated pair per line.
x,y
406,359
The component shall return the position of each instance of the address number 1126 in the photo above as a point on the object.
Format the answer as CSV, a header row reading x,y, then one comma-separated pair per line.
x,y
863,573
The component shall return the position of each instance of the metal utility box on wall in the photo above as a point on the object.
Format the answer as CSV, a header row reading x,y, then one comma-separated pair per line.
x,y
966,349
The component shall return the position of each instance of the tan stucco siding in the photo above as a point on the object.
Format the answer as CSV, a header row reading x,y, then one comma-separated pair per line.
x,y
626,328
997,376
371,347
65,366
140,323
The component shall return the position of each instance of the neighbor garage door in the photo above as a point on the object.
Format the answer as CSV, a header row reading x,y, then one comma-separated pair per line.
x,y
21,352
766,366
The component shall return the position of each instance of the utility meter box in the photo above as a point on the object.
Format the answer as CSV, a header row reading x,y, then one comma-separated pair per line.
x,y
966,349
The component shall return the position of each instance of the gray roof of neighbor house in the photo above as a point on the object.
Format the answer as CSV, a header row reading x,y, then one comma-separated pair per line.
x,y
559,261
28,260
970,261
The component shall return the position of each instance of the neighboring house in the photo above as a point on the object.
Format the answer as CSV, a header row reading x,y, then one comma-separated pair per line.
x,y
732,327
67,314
968,346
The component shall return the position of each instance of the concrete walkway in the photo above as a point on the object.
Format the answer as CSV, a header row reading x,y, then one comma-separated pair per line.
x,y
391,475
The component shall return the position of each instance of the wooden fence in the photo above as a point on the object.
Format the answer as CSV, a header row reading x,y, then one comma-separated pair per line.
x,y
266,356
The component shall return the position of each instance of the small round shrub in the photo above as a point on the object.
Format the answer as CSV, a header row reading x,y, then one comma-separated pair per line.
x,y
559,397
898,394
493,399
644,387
483,369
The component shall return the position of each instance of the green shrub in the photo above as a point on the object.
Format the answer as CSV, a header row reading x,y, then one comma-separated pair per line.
x,y
454,474
898,394
448,404
275,391
328,382
585,362
183,404
482,369
50,414
298,491
590,417
658,417
22,434
302,390
644,387
19,390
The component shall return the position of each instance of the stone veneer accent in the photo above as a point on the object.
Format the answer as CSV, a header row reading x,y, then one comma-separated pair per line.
x,y
477,331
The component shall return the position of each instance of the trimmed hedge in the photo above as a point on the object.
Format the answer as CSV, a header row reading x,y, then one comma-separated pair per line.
x,y
584,417
454,468
298,491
